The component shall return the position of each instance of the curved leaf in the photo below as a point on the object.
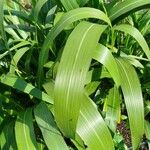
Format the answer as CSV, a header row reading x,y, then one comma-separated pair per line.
x,y
132,93
124,7
103,55
92,128
136,34
67,18
70,79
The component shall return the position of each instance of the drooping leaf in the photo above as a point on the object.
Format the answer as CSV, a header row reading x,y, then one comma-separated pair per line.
x,y
24,131
136,35
103,55
67,18
50,132
132,93
92,128
70,79
126,6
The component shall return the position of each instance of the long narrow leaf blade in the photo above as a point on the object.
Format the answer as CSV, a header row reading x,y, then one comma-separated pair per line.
x,y
124,7
24,130
92,128
70,4
67,18
112,108
147,132
105,57
7,137
133,99
50,132
21,85
70,79
136,35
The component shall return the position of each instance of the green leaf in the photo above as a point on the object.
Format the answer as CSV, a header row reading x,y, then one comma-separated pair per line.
x,y
92,128
103,55
69,4
16,59
50,132
112,108
24,131
37,8
147,131
7,137
132,93
126,6
21,85
2,31
70,79
128,29
67,19
82,2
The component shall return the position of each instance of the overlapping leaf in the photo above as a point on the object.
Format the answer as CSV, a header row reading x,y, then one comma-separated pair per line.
x,y
50,132
112,108
92,128
70,4
105,57
70,80
132,93
126,6
67,18
135,34
24,131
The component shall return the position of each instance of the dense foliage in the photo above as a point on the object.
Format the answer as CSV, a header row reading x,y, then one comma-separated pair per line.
x,y
74,74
